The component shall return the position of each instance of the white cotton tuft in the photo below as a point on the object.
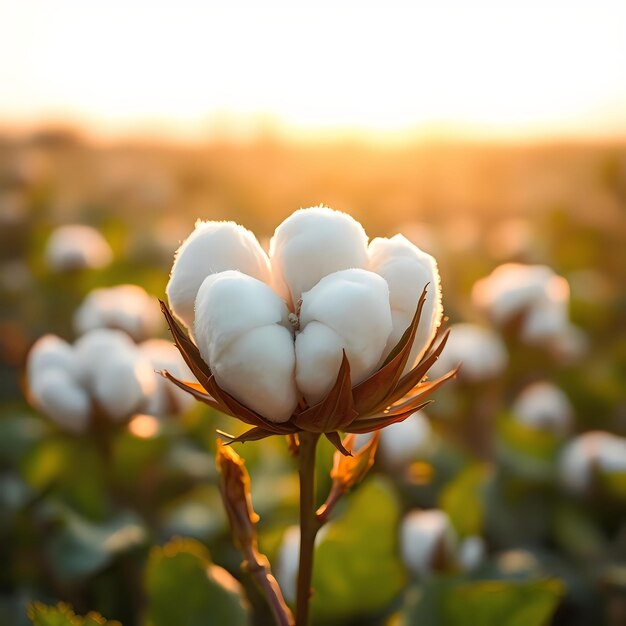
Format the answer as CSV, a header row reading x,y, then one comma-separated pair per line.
x,y
211,248
51,352
592,451
347,310
125,307
311,244
407,441
77,247
407,270
242,332
544,406
480,351
533,291
55,392
427,541
471,553
122,383
167,397
95,346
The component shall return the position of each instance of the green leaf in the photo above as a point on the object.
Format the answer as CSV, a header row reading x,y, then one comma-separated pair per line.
x,y
500,603
184,588
484,603
62,615
82,548
357,568
463,499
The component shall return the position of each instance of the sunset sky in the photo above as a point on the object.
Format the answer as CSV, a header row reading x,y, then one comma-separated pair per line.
x,y
184,68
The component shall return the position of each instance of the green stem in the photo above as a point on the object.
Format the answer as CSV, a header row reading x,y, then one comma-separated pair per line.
x,y
309,525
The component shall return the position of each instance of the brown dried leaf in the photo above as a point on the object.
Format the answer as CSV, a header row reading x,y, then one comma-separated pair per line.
x,y
371,424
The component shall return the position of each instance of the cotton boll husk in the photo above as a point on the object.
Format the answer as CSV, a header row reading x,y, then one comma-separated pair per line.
x,y
427,541
231,303
166,398
471,553
311,244
122,382
211,248
52,352
76,247
480,351
354,305
544,406
55,392
407,270
257,368
126,307
407,441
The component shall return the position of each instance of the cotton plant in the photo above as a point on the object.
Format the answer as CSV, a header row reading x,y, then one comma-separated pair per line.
x,y
124,307
75,247
543,406
327,333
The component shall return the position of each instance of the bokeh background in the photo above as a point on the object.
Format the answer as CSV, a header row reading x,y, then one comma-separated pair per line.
x,y
486,133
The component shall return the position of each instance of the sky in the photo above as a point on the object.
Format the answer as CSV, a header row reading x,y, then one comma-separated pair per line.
x,y
190,68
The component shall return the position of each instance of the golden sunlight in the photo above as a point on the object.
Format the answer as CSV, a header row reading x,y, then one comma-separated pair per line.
x,y
187,68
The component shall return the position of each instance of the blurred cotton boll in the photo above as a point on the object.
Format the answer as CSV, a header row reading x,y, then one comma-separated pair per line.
x,y
543,406
77,247
407,270
428,542
347,310
533,292
311,244
243,333
480,351
471,553
211,248
125,307
52,372
407,441
592,455
167,398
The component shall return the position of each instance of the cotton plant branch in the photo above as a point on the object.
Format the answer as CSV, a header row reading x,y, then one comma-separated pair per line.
x,y
235,489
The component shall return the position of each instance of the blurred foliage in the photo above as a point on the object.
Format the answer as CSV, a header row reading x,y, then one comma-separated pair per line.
x,y
92,520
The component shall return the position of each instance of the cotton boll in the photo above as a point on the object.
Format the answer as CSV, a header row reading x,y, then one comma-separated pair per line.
x,y
288,563
427,541
354,305
166,398
122,383
471,553
95,346
407,270
55,392
77,247
407,441
313,243
533,291
257,368
592,451
126,307
545,407
230,303
51,352
480,351
211,248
